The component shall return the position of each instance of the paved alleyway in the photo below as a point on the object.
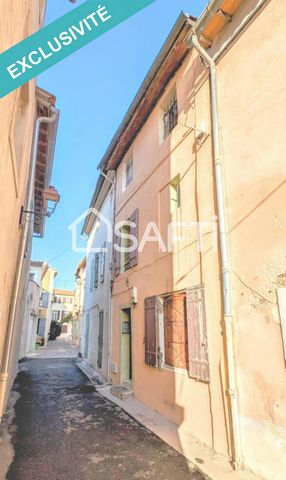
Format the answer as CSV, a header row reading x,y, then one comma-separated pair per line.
x,y
64,430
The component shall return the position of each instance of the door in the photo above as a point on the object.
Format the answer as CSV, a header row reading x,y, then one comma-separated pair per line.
x,y
126,346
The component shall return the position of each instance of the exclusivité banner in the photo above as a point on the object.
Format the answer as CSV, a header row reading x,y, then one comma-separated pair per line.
x,y
61,38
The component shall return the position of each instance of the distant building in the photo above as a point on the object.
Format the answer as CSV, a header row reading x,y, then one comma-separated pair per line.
x,y
78,303
62,308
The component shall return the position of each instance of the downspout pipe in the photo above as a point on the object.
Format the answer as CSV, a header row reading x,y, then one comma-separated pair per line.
x,y
4,372
193,42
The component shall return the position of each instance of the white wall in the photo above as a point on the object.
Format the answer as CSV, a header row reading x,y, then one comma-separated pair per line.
x,y
99,298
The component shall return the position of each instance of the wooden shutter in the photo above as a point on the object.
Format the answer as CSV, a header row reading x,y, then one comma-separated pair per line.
x,y
96,270
100,339
116,256
197,334
151,331
133,256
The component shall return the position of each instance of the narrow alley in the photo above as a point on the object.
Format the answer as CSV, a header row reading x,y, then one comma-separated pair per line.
x,y
64,429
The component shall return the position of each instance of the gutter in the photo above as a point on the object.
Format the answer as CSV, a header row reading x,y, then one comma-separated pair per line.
x,y
5,364
193,42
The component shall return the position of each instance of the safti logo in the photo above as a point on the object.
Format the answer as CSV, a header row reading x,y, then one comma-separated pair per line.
x,y
124,240
61,38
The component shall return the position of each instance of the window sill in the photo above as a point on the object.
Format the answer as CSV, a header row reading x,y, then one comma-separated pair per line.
x,y
182,371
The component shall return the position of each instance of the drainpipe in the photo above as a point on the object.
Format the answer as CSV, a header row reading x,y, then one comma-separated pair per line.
x,y
193,41
18,274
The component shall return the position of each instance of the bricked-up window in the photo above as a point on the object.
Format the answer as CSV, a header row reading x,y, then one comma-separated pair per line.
x,y
197,334
170,114
175,331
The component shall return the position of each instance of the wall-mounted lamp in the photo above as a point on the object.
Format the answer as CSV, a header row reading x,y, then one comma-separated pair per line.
x,y
51,199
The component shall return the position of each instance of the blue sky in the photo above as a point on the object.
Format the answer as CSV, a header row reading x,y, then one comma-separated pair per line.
x,y
94,88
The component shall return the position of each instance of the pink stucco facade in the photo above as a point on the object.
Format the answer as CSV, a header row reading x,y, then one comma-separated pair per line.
x,y
252,95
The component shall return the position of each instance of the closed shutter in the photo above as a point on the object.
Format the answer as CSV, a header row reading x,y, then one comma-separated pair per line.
x,y
100,339
102,263
197,334
151,331
116,256
91,280
175,331
133,256
96,270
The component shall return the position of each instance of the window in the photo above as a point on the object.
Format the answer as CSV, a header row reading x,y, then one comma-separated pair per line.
x,y
169,114
102,263
124,260
125,244
128,171
56,315
175,194
176,332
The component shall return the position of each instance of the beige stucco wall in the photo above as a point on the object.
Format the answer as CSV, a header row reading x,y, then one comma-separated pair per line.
x,y
17,114
252,96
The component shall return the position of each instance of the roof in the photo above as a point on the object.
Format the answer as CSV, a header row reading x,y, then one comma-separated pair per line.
x,y
45,155
80,266
66,293
163,69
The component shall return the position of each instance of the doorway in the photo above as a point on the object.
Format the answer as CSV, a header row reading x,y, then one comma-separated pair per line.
x,y
126,346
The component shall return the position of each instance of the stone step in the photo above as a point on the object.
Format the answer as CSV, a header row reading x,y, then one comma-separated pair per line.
x,y
121,391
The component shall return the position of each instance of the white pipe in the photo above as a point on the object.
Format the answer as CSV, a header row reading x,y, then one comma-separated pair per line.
x,y
18,274
193,41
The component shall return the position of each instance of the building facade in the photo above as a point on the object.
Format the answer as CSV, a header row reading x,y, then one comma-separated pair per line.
x,y
96,333
22,168
31,317
77,319
198,307
63,308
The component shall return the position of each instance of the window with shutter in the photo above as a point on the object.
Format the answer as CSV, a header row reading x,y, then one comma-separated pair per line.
x,y
197,334
96,270
103,263
151,331
116,255
175,331
100,339
91,280
133,256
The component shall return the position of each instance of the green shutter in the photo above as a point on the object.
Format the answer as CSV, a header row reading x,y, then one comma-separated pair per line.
x,y
100,339
96,270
